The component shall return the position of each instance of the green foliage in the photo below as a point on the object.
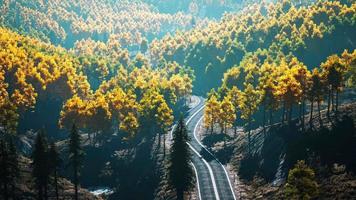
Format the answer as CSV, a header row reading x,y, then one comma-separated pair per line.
x,y
301,183
76,155
180,172
40,170
54,164
9,169
272,28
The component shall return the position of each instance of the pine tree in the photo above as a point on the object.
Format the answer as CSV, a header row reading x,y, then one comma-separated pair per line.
x,y
55,162
40,164
179,171
144,46
13,166
5,179
76,155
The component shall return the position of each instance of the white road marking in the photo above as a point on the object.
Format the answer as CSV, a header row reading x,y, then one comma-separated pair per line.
x,y
196,175
198,154
195,151
191,117
228,178
195,137
212,179
206,163
196,105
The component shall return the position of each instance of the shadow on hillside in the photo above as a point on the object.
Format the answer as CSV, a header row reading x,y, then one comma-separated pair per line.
x,y
284,145
329,146
221,151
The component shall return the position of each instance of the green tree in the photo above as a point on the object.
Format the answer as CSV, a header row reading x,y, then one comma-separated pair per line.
x,y
54,163
13,162
76,155
40,169
5,179
180,172
301,182
144,46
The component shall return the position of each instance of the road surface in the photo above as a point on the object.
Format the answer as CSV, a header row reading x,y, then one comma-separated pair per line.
x,y
212,179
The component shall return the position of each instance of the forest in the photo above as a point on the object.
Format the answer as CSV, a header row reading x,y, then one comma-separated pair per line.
x,y
178,99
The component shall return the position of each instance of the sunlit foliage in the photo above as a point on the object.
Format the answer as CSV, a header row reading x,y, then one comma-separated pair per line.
x,y
281,27
65,22
97,93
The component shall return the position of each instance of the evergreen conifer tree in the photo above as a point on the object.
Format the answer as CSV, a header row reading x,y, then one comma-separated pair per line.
x,y
55,162
76,155
40,169
180,170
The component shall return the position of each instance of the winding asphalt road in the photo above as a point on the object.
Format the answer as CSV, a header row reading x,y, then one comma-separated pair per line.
x,y
212,178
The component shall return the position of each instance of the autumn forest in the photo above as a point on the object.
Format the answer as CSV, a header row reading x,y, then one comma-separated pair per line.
x,y
177,99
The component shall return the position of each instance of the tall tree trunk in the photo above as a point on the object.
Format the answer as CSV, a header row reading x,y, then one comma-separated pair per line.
x,y
75,182
270,117
303,114
6,196
329,100
159,140
212,127
46,191
264,120
164,145
290,114
319,110
13,195
56,184
283,111
89,138
249,135
180,195
337,101
300,111
332,99
40,192
311,111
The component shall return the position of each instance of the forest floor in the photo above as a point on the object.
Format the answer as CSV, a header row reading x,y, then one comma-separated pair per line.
x,y
263,175
26,189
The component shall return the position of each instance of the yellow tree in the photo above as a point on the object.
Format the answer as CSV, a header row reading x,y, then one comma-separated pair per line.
x,y
155,108
302,75
316,92
235,95
126,109
226,115
333,70
350,61
128,116
289,91
98,116
249,103
267,84
74,111
211,112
